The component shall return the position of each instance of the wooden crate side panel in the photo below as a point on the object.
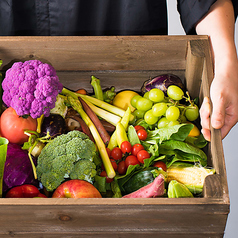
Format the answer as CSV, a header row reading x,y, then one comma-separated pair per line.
x,y
107,219
121,80
98,53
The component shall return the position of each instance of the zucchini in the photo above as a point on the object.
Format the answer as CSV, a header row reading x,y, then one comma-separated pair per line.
x,y
138,181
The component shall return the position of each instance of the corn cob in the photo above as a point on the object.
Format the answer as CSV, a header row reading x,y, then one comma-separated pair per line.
x,y
192,176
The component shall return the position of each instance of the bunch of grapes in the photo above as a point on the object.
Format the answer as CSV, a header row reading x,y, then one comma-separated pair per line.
x,y
156,108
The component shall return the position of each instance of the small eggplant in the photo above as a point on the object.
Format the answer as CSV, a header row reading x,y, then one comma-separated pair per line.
x,y
162,82
54,124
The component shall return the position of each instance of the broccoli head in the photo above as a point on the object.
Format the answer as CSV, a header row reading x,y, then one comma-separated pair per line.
x,y
31,88
67,156
84,169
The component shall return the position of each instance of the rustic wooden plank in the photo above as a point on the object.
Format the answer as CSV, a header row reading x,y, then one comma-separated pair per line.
x,y
194,67
119,79
98,53
105,219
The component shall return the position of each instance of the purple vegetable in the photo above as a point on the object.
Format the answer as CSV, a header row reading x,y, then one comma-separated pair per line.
x,y
162,82
18,169
31,88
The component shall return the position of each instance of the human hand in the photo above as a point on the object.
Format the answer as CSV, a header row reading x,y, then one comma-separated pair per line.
x,y
224,98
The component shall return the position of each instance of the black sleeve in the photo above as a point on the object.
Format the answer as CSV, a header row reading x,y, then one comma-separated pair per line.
x,y
191,11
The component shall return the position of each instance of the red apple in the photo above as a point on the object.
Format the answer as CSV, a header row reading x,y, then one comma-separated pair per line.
x,y
23,191
76,188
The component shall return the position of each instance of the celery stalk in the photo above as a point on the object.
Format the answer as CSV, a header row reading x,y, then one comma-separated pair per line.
x,y
125,122
104,105
110,117
98,140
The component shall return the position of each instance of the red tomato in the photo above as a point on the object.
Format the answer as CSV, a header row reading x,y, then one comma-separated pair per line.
x,y
121,167
138,127
131,160
160,164
142,154
108,152
114,164
142,134
104,174
13,126
126,147
136,148
116,153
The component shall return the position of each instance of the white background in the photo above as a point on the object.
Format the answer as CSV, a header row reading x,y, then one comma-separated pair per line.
x,y
230,143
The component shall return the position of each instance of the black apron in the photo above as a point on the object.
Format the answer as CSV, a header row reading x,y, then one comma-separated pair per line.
x,y
97,17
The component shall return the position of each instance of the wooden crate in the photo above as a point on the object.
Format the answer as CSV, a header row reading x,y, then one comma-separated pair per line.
x,y
125,62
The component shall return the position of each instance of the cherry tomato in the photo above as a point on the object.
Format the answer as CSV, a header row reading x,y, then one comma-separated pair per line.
x,y
104,174
121,167
138,127
160,164
116,153
136,148
126,147
108,152
13,126
114,165
131,160
142,154
142,134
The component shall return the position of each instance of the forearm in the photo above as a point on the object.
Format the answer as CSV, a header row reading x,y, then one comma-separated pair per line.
x,y
219,25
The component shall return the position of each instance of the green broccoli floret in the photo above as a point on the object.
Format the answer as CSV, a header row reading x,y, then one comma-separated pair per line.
x,y
62,156
84,169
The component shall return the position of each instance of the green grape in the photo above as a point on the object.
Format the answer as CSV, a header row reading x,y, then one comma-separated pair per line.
x,y
173,123
163,122
134,100
175,92
182,119
159,109
150,118
144,104
192,112
156,95
146,95
172,113
139,114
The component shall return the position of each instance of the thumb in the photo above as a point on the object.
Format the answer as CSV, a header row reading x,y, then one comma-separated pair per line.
x,y
218,114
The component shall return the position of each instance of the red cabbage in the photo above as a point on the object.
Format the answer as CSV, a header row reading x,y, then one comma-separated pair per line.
x,y
18,169
162,82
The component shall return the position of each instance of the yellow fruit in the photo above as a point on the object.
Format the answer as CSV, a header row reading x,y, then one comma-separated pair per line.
x,y
194,132
123,99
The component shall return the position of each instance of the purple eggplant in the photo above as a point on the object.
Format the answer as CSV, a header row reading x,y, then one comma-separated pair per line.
x,y
162,82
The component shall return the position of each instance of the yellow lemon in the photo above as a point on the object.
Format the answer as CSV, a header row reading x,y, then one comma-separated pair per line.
x,y
123,99
194,132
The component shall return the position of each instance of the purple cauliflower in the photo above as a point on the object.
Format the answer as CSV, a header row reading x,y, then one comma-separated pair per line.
x,y
31,88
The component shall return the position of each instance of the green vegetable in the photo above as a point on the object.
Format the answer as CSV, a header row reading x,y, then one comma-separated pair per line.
x,y
84,169
75,103
109,95
95,82
3,154
60,106
138,181
60,156
178,190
